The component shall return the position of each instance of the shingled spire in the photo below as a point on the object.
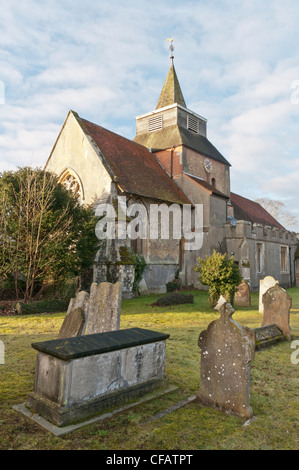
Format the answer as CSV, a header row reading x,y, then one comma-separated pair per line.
x,y
171,92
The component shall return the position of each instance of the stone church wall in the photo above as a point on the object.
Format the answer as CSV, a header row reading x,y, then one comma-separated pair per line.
x,y
257,249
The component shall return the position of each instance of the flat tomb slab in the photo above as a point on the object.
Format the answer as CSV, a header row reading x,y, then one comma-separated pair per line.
x,y
80,376
267,336
89,345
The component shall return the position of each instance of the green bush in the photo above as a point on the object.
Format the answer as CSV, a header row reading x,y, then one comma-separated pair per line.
x,y
44,306
174,298
174,285
221,274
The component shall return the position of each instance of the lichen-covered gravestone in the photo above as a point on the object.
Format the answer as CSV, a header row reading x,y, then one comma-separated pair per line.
x,y
265,284
104,308
227,349
277,304
97,312
75,318
242,295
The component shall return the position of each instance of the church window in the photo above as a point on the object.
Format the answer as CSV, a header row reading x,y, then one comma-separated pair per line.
x,y
71,182
155,123
259,257
284,259
192,123
213,182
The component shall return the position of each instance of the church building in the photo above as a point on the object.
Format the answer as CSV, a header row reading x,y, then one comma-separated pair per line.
x,y
170,162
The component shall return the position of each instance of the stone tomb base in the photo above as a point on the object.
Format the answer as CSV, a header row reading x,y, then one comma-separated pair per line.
x,y
79,377
267,335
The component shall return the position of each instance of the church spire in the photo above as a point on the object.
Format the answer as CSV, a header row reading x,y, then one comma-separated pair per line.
x,y
171,92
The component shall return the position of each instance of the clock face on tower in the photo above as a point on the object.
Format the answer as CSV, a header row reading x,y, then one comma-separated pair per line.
x,y
208,165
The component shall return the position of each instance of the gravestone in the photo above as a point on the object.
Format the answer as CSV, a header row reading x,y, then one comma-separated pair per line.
x,y
227,349
75,318
103,308
242,295
265,284
73,324
277,304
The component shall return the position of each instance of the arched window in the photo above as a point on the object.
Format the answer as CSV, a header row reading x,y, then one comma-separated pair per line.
x,y
72,182
213,182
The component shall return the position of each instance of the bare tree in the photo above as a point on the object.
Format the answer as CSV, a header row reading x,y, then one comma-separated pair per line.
x,y
42,227
278,210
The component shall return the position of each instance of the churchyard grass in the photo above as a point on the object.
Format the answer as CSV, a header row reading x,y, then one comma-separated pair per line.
x,y
274,387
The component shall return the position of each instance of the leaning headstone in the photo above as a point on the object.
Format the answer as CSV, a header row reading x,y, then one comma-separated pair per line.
x,y
265,284
74,320
227,349
242,295
277,305
73,324
104,308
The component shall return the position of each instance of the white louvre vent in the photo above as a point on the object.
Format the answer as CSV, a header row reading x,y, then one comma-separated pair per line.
x,y
193,123
155,123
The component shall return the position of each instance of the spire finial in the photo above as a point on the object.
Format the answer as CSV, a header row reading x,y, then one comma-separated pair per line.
x,y
171,48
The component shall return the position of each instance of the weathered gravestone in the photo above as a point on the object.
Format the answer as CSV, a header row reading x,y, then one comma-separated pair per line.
x,y
277,304
242,295
265,284
227,349
75,318
95,313
104,308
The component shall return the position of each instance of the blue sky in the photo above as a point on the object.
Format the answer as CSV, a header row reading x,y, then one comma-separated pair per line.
x,y
237,63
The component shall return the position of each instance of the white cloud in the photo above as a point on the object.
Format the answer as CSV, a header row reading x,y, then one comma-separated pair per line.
x,y
108,61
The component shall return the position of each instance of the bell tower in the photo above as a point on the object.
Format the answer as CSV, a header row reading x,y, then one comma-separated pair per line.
x,y
160,129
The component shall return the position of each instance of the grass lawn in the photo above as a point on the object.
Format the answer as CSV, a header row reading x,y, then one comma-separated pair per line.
x,y
274,387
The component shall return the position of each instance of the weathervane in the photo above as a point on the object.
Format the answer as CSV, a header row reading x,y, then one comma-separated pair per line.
x,y
171,48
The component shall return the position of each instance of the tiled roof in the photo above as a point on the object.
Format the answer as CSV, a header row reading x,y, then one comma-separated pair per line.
x,y
137,170
245,209
174,136
206,186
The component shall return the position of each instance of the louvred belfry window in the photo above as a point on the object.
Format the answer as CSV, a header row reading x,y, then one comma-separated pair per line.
x,y
193,124
155,123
